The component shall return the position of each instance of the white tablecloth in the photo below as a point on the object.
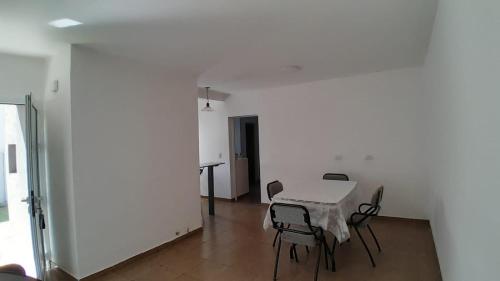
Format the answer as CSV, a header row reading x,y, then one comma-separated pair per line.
x,y
330,203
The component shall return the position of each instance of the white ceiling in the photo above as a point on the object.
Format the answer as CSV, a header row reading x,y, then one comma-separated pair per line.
x,y
233,45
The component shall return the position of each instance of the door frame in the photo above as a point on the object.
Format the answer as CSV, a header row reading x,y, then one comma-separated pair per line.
x,y
232,157
35,239
37,215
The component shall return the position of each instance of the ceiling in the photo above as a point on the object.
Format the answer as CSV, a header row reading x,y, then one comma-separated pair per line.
x,y
233,45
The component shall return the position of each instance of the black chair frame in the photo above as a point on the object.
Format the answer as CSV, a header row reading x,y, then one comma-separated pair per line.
x,y
362,216
317,232
270,197
343,177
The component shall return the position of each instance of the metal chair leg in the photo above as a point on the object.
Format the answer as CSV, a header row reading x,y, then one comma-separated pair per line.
x,y
334,266
317,264
333,255
277,260
366,246
334,244
325,247
374,238
295,253
275,237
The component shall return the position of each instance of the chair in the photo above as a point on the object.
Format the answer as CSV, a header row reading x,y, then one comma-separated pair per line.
x,y
13,269
274,188
337,177
362,218
298,232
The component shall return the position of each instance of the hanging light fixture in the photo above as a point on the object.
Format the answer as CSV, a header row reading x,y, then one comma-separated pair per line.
x,y
207,106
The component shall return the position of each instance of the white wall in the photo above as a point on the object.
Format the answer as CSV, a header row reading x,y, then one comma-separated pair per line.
x,y
303,127
214,140
135,157
4,161
462,74
20,75
59,158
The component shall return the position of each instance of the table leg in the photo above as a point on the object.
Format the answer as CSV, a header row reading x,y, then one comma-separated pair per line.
x,y
211,210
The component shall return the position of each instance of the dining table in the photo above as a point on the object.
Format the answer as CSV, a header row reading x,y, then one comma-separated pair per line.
x,y
329,202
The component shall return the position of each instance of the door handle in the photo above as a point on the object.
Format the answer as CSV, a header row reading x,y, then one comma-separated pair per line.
x,y
32,202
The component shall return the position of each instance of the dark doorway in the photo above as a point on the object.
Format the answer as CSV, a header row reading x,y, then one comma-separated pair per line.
x,y
247,146
250,145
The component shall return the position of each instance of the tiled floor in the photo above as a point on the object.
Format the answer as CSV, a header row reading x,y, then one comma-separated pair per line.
x,y
233,246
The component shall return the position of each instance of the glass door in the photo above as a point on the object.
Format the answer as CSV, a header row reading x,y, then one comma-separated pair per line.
x,y
34,193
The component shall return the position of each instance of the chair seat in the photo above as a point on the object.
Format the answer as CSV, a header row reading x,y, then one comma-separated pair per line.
x,y
299,238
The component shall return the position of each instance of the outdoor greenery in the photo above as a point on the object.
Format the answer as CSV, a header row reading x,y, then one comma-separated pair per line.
x,y
4,214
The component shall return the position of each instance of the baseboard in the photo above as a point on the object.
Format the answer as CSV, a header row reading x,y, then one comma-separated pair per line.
x,y
218,198
99,274
387,218
58,271
229,200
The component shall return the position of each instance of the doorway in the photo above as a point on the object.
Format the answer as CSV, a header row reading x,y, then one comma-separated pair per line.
x,y
21,218
246,161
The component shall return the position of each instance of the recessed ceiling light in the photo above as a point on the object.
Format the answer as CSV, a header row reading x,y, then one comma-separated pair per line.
x,y
62,23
